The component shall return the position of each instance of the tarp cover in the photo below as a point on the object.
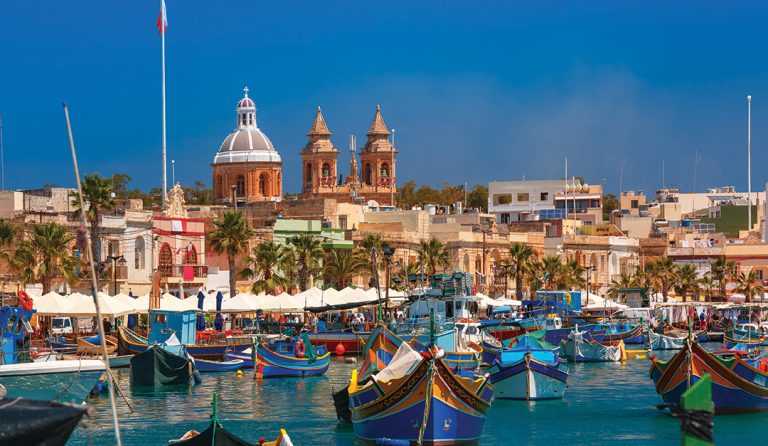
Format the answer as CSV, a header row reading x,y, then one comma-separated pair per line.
x,y
158,367
661,342
405,358
214,435
36,423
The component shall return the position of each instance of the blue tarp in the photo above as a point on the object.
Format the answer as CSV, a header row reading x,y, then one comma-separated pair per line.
x,y
200,318
131,317
218,323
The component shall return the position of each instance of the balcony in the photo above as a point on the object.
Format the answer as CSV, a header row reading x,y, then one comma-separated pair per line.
x,y
177,270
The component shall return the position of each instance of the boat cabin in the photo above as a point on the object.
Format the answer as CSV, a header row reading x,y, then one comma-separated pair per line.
x,y
553,322
562,303
14,327
447,308
166,323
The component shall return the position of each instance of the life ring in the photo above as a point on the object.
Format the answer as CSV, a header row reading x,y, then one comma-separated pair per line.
x,y
301,349
25,301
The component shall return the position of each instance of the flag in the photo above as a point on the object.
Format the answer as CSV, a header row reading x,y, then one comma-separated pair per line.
x,y
162,19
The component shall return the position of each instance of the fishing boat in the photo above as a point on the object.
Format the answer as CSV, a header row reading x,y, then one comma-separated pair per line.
x,y
417,399
61,344
28,422
62,381
351,341
491,350
528,371
469,359
204,365
578,349
92,345
736,385
290,357
593,332
216,435
663,342
157,366
131,343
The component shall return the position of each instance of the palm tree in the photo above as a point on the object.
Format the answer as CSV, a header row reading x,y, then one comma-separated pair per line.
x,y
722,271
44,254
571,276
371,243
619,284
551,267
433,254
666,274
532,272
7,233
520,258
745,284
341,265
99,197
506,269
266,266
230,237
707,284
308,252
404,272
687,280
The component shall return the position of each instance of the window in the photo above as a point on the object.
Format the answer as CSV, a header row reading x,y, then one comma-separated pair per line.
x,y
161,318
634,204
138,253
263,184
505,218
343,221
522,197
190,258
544,196
384,170
367,177
326,170
165,260
502,199
241,185
759,273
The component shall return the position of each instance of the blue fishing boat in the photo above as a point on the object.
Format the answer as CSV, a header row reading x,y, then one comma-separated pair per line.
x,y
736,385
290,357
594,332
61,344
63,381
417,399
663,342
529,371
162,365
204,365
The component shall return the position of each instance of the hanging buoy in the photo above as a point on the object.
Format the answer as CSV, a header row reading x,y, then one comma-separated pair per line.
x,y
239,373
340,350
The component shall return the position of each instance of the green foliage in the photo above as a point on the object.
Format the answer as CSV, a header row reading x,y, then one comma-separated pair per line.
x,y
120,184
230,237
433,254
308,254
99,198
43,255
408,195
7,233
341,265
748,284
610,204
198,194
267,266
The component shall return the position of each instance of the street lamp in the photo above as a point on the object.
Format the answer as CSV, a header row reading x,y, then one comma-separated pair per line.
x,y
116,261
388,253
590,268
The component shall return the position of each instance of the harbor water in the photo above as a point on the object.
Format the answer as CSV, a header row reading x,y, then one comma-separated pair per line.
x,y
605,404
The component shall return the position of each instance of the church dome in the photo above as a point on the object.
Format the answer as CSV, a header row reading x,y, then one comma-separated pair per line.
x,y
247,143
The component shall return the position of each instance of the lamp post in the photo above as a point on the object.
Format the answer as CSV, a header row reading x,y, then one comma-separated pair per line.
x,y
234,197
388,253
173,172
590,268
116,260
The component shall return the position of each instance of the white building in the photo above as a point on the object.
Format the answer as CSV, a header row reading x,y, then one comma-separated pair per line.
x,y
522,200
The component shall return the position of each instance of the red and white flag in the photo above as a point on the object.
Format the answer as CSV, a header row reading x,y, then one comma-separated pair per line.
x,y
162,19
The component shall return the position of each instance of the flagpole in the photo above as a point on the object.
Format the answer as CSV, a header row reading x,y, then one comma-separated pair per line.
x,y
165,173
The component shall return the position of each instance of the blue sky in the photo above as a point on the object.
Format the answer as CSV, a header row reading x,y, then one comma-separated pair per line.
x,y
478,91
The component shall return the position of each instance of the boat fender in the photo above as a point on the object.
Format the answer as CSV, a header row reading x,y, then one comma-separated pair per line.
x,y
197,377
301,349
25,301
440,353
426,355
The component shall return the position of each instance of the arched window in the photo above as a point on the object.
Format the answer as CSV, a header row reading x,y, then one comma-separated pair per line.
x,y
138,253
367,177
165,260
384,170
263,184
250,117
279,183
190,258
240,185
326,170
308,171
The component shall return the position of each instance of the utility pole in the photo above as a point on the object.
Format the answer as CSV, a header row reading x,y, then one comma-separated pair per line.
x,y
749,163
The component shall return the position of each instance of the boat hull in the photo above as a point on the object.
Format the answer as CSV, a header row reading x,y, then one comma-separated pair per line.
x,y
529,380
575,351
270,364
736,386
351,341
204,365
130,343
69,381
455,415
158,367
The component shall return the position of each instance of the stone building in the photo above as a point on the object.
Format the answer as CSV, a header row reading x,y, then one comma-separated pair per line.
x,y
247,164
373,179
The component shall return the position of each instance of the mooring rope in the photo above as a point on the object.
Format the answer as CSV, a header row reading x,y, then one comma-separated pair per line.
x,y
427,401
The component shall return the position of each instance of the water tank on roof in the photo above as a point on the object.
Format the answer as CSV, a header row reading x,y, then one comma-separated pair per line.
x,y
458,207
431,209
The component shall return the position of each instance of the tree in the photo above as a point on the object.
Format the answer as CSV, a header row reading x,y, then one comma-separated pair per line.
x,y
722,271
619,284
198,194
7,233
99,198
433,254
267,266
478,198
120,184
665,271
308,252
45,254
403,274
371,243
341,265
520,257
610,204
707,284
230,237
506,269
551,267
687,280
571,276
746,285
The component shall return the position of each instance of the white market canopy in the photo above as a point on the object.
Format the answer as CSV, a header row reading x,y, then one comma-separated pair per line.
x,y
51,304
110,307
168,302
